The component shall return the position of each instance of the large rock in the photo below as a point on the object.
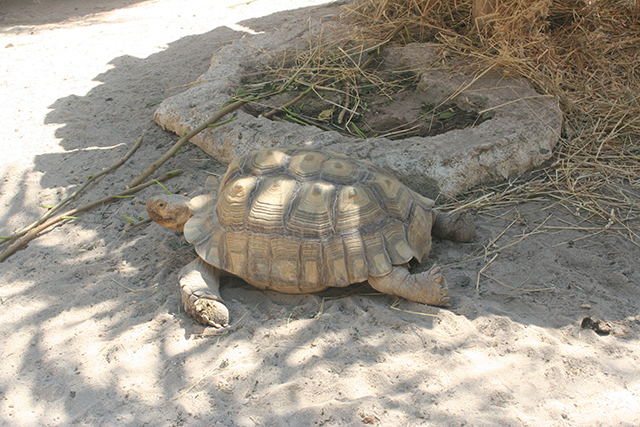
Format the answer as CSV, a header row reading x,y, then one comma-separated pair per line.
x,y
523,129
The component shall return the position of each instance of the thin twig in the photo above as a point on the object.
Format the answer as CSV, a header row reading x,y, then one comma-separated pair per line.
x,y
178,145
483,270
130,226
395,304
306,120
518,288
75,194
222,365
22,241
498,250
128,288
288,104
210,121
347,100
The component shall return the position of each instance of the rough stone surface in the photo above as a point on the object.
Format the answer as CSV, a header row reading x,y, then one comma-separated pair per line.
x,y
521,134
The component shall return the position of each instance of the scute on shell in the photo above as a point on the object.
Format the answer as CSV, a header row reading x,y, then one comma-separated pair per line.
x,y
299,219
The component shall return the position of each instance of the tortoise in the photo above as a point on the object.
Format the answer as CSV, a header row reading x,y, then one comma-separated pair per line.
x,y
300,220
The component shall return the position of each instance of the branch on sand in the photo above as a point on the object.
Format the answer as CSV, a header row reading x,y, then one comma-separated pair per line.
x,y
27,237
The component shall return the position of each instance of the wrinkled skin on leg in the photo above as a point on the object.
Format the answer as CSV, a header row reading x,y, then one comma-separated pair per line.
x,y
200,290
428,287
455,226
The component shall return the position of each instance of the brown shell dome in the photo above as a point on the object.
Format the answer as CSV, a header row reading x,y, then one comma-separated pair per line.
x,y
293,219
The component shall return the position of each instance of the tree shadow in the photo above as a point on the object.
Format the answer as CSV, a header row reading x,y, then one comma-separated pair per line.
x,y
33,12
102,340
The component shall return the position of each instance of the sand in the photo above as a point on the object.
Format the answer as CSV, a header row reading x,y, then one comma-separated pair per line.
x,y
92,330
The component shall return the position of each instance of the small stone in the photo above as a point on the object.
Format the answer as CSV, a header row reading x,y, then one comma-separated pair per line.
x,y
598,326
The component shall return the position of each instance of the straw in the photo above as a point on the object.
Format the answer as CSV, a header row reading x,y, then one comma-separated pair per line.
x,y
584,53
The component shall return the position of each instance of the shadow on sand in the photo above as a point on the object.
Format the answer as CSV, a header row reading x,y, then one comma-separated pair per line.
x,y
108,343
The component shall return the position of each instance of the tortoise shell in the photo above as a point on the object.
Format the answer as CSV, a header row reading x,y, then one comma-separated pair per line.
x,y
301,220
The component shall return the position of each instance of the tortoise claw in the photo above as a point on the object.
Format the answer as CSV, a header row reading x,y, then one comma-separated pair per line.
x,y
208,311
439,289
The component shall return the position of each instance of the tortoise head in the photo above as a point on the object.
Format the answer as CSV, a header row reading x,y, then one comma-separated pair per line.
x,y
169,210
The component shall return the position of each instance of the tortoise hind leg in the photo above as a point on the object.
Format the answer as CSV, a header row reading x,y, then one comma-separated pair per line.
x,y
428,287
200,290
455,226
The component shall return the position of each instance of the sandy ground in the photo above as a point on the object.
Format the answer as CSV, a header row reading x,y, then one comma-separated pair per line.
x,y
91,327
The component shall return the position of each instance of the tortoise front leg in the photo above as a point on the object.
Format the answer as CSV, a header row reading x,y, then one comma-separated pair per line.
x,y
200,290
428,287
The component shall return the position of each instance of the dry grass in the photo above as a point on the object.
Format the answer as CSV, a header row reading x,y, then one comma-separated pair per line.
x,y
585,53
334,68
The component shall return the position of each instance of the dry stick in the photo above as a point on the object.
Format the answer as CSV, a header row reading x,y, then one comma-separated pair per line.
x,y
294,100
518,288
394,306
130,226
374,50
401,132
483,270
492,242
90,179
178,145
52,221
288,104
330,102
307,121
462,89
355,106
284,87
222,365
209,122
312,87
130,289
347,102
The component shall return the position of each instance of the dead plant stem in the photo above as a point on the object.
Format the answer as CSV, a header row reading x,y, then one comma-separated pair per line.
x,y
75,194
178,145
26,238
289,104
